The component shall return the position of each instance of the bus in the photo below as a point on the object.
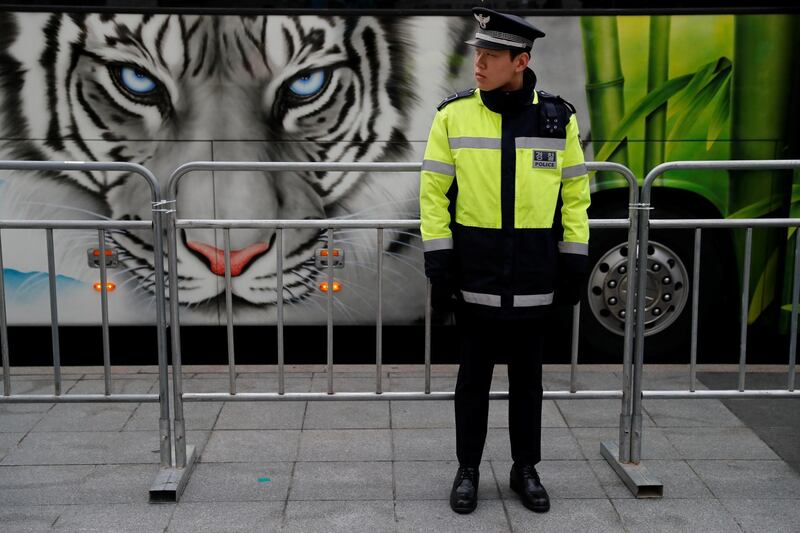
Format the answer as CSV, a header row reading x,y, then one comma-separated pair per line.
x,y
318,81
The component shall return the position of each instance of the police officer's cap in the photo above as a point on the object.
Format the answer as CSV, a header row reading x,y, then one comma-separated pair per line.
x,y
500,31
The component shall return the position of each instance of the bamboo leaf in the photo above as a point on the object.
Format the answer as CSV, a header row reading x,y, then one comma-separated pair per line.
x,y
758,209
644,107
699,101
765,289
699,80
722,109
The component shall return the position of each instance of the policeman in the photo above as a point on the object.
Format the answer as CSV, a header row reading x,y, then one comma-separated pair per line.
x,y
503,197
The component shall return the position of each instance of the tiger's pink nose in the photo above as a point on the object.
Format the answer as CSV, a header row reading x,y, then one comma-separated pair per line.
x,y
239,258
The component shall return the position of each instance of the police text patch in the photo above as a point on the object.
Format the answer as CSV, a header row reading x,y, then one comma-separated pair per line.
x,y
544,159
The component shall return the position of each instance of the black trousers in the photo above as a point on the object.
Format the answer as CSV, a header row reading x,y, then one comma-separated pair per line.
x,y
484,343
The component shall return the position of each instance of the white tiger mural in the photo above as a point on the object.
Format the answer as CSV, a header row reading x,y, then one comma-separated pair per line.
x,y
166,89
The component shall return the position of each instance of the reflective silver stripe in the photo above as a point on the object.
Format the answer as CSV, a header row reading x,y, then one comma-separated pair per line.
x,y
445,243
474,142
531,300
578,248
441,168
543,143
497,40
569,172
492,300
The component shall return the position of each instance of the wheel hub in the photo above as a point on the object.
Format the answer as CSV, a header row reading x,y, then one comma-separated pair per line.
x,y
665,295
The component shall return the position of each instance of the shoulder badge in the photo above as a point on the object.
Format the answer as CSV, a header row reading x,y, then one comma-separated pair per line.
x,y
455,96
546,95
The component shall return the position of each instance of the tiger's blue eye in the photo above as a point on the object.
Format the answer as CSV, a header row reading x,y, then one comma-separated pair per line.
x,y
136,81
308,84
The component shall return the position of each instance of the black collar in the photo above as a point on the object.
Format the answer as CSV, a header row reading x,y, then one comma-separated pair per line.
x,y
501,101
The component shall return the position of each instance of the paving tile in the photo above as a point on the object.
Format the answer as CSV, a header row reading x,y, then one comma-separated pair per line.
x,y
198,415
213,517
670,515
746,479
586,380
44,385
436,444
345,445
765,516
8,441
679,480
20,422
64,447
350,516
441,414
334,480
557,443
432,480
718,443
261,415
118,386
115,517
417,384
654,443
29,518
595,515
690,413
42,485
117,484
238,482
347,415
345,383
562,479
594,413
660,379
87,417
436,515
248,445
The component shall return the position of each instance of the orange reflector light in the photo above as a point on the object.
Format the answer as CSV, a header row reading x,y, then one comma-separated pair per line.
x,y
96,252
324,253
324,286
110,286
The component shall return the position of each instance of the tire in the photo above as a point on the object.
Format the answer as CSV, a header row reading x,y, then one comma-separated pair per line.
x,y
668,305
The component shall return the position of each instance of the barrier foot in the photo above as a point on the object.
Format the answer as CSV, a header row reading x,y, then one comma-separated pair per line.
x,y
639,481
170,482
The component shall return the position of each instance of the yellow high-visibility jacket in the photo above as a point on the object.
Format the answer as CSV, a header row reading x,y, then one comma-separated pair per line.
x,y
503,166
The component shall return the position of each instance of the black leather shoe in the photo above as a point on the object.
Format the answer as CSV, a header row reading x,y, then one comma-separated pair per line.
x,y
525,482
464,495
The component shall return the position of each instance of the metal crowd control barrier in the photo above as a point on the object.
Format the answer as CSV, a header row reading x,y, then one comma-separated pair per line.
x,y
185,459
631,476
102,226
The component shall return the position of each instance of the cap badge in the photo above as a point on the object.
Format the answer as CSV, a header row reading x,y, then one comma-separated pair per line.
x,y
483,21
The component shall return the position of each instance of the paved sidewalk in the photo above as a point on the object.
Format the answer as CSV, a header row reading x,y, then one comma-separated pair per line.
x,y
375,465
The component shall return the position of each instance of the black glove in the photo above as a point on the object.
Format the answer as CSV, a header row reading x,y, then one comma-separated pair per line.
x,y
570,287
443,295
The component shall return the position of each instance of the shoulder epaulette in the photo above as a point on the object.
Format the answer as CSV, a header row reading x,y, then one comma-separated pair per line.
x,y
545,94
455,96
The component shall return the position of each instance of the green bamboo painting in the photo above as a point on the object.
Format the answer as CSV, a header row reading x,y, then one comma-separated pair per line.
x,y
657,75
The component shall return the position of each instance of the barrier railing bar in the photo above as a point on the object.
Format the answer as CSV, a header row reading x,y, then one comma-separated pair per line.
x,y
795,297
51,276
427,336
748,247
370,396
81,398
76,224
226,239
695,308
330,311
719,394
573,368
101,235
279,302
604,223
179,423
3,327
723,223
379,324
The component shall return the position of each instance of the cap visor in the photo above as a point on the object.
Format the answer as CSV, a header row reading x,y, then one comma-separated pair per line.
x,y
480,43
